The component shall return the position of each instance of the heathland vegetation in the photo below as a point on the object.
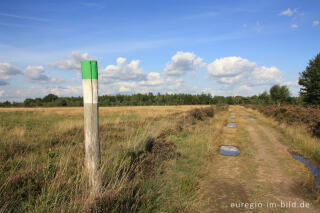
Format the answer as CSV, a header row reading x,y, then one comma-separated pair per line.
x,y
151,161
158,158
154,159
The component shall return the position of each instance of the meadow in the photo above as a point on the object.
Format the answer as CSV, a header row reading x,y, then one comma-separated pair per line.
x,y
152,158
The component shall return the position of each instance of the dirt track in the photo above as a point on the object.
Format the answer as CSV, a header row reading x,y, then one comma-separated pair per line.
x,y
264,175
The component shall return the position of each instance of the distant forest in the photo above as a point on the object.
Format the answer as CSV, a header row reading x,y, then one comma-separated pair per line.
x,y
149,99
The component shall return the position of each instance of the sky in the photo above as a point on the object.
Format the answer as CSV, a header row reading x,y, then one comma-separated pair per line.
x,y
170,46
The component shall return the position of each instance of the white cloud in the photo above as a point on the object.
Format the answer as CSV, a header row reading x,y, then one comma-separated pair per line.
x,y
69,90
291,83
229,66
37,75
71,64
154,85
236,70
154,82
315,23
39,92
294,26
163,84
124,89
293,86
245,88
1,93
265,75
130,77
235,75
123,71
6,71
183,62
153,79
36,91
288,12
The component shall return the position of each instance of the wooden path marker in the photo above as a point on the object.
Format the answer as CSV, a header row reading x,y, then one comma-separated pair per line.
x,y
89,70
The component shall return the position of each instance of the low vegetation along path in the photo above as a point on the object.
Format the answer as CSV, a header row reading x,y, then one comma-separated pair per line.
x,y
263,178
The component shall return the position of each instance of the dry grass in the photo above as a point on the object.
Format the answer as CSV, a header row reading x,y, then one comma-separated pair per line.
x,y
117,109
307,116
41,155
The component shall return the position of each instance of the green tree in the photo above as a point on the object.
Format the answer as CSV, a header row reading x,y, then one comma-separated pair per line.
x,y
29,102
264,98
310,81
6,103
50,98
279,94
61,102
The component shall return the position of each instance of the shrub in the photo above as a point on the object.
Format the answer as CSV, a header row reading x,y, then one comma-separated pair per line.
x,y
309,116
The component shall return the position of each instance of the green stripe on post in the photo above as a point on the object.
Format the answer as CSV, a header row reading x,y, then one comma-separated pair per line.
x,y
89,69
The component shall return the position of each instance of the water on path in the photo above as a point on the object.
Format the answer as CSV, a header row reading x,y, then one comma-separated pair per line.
x,y
232,125
229,150
313,168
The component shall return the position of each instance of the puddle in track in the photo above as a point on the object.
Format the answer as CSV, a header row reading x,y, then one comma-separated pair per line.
x,y
313,168
229,150
251,119
232,125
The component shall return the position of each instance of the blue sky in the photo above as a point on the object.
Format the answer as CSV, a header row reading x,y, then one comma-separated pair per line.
x,y
218,47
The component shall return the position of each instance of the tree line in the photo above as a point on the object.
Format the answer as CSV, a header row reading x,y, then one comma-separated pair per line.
x,y
150,99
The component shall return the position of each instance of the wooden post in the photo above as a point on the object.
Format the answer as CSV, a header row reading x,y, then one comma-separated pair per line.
x,y
89,70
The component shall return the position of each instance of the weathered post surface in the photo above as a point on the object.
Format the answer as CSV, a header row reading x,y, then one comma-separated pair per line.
x,y
89,70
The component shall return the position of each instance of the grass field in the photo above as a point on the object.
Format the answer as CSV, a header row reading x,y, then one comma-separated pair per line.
x,y
154,159
42,154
